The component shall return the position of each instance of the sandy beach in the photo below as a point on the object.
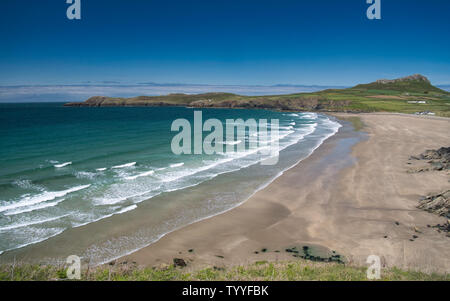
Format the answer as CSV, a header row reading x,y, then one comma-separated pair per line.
x,y
353,195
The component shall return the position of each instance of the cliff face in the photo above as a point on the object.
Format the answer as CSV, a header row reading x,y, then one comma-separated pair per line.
x,y
95,101
178,99
300,103
103,101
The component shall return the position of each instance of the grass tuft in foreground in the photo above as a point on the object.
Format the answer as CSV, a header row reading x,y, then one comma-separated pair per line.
x,y
264,271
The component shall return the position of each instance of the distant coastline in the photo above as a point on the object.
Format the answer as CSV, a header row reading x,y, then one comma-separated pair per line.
x,y
82,91
409,94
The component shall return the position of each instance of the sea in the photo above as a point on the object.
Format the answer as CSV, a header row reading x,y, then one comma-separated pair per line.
x,y
103,182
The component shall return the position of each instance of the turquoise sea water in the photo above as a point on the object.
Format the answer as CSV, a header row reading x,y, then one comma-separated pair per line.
x,y
111,171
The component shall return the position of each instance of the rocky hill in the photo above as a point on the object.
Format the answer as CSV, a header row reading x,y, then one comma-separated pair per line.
x,y
414,83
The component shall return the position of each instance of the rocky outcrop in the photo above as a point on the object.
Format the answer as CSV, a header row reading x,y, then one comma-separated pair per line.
x,y
437,204
415,77
436,159
442,155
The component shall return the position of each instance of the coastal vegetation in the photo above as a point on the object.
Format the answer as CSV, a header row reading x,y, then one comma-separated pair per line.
x,y
259,271
410,95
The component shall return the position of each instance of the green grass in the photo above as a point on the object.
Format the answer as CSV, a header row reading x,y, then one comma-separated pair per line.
x,y
259,271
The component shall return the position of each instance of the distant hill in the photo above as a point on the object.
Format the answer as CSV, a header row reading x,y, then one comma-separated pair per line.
x,y
176,99
408,94
414,83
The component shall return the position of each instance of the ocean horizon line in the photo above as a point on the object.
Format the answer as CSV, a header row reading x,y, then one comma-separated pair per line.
x,y
73,93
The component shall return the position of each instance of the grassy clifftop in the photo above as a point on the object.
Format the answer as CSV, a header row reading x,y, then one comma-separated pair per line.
x,y
259,271
404,95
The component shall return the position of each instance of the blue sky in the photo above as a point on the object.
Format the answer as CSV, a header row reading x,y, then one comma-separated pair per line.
x,y
246,42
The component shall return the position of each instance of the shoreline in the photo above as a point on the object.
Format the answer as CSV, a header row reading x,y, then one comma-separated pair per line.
x,y
317,153
280,216
344,199
47,251
262,187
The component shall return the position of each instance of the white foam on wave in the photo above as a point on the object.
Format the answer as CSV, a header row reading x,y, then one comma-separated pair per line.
x,y
85,175
230,142
33,208
126,209
309,115
27,184
123,210
212,164
38,236
40,198
169,178
176,165
285,128
292,123
124,165
32,223
308,129
122,193
144,174
101,169
63,164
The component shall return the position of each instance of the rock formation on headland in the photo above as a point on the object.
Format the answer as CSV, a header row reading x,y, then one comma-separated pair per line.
x,y
415,77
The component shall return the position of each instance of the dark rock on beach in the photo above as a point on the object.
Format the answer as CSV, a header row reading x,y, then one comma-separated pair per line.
x,y
438,204
443,228
309,254
436,159
442,154
178,262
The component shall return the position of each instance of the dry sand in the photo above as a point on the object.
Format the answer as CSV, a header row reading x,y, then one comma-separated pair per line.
x,y
347,196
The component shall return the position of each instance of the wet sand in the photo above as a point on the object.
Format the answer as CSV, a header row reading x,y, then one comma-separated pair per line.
x,y
352,195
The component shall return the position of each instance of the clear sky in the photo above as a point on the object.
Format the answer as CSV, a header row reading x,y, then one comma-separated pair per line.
x,y
246,42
